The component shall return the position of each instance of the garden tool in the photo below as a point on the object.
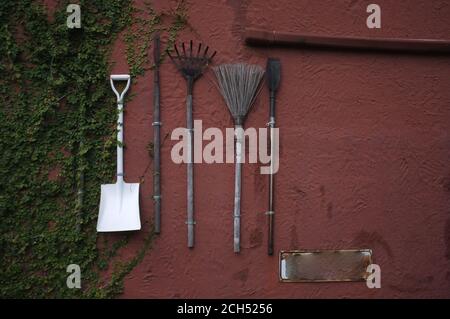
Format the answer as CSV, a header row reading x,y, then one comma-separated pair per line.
x,y
239,85
119,202
191,65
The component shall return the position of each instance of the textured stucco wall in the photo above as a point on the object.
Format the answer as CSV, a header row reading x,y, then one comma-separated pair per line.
x,y
364,156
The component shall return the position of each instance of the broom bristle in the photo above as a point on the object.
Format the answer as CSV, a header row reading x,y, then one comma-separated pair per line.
x,y
239,85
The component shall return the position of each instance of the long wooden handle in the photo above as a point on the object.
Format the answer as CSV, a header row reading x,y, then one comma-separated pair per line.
x,y
264,38
156,140
190,173
271,211
237,189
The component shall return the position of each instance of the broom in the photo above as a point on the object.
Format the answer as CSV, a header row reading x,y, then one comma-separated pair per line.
x,y
238,84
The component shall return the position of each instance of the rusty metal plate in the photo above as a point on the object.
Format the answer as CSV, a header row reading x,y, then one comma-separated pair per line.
x,y
324,265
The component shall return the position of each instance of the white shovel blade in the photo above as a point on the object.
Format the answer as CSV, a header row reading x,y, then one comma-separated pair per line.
x,y
119,208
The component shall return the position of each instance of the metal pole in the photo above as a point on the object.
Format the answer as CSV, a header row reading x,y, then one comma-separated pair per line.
x,y
271,212
239,131
190,165
156,139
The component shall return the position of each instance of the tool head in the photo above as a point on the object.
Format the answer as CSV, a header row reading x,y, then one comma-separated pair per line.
x,y
239,84
190,63
273,70
156,50
119,207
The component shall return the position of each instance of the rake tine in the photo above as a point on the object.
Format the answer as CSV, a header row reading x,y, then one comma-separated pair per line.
x,y
184,49
173,60
199,48
206,51
190,48
176,50
213,55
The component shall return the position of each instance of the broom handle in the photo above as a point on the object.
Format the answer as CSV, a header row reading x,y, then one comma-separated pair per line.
x,y
190,166
237,189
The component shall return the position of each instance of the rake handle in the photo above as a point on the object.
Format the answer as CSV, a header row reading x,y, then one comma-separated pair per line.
x,y
190,165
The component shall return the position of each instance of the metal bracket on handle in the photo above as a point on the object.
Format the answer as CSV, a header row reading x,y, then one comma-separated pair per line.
x,y
271,122
120,77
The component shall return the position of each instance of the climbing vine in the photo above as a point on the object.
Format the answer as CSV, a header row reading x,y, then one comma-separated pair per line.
x,y
57,142
146,22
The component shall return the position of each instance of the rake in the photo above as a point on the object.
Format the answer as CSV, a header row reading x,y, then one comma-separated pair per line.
x,y
238,84
192,62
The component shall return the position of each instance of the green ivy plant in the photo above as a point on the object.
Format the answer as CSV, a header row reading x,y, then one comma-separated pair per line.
x,y
57,142
145,24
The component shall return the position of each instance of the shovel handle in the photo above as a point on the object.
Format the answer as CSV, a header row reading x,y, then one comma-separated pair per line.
x,y
120,143
120,106
120,77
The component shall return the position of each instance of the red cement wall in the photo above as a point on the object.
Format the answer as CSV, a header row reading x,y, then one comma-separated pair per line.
x,y
364,156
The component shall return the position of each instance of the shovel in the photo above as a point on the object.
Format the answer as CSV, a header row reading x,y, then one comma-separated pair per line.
x,y
119,202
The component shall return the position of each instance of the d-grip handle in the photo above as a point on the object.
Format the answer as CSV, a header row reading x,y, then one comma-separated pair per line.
x,y
120,77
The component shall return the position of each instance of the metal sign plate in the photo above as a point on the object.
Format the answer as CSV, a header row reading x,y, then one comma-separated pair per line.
x,y
324,265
